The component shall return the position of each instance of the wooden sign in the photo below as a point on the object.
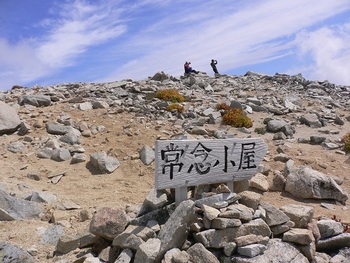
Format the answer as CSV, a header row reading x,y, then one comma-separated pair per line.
x,y
182,163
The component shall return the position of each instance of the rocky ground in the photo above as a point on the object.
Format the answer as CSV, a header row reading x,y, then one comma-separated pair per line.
x,y
130,118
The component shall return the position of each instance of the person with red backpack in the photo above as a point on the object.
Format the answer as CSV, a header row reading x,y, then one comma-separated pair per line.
x,y
188,68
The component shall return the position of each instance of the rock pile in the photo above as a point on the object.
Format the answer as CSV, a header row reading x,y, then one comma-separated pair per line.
x,y
214,224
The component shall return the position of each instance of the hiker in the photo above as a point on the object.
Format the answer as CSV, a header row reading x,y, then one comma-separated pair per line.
x,y
213,65
188,68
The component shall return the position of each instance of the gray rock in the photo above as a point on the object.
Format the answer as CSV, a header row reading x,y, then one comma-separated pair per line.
x,y
223,223
125,256
276,251
16,147
12,208
71,137
236,105
148,251
85,106
147,155
154,200
24,129
103,162
322,186
173,233
310,119
9,119
45,153
108,223
176,255
198,253
252,250
60,155
274,216
100,105
52,234
78,158
275,125
334,243
56,128
329,228
13,254
298,236
35,100
301,215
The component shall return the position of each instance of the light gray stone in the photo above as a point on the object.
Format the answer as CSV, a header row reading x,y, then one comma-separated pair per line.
x,y
9,119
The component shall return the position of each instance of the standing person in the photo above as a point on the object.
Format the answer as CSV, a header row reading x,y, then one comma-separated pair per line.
x,y
188,68
213,65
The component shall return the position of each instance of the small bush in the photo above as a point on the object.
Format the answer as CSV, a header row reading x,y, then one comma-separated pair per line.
x,y
222,106
260,130
175,106
346,141
237,118
170,95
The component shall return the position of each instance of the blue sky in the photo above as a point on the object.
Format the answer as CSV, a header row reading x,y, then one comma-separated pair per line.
x,y
48,42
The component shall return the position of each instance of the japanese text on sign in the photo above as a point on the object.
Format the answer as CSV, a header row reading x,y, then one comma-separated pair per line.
x,y
194,162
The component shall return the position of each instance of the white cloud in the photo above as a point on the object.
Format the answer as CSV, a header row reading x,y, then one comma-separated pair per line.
x,y
80,27
325,53
236,36
140,38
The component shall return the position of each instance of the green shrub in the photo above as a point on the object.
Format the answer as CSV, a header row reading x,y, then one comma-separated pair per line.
x,y
346,141
175,106
222,106
260,130
266,120
237,118
170,95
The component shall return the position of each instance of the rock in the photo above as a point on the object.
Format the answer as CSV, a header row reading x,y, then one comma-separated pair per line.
x,y
104,163
11,253
147,155
60,155
16,147
276,249
35,100
198,253
275,125
311,119
9,119
298,236
322,186
173,233
329,228
108,223
299,214
334,243
274,216
259,182
12,208
148,251
154,200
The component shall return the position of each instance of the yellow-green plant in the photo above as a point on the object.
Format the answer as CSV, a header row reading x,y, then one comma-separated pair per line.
x,y
222,106
175,106
346,141
260,130
237,118
170,95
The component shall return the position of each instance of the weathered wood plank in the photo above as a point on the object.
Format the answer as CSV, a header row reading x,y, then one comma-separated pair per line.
x,y
181,163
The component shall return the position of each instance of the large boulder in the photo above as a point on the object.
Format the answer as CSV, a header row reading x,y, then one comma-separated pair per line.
x,y
305,182
9,119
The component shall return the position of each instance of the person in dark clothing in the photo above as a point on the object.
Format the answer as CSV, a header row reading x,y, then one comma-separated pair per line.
x,y
213,65
188,68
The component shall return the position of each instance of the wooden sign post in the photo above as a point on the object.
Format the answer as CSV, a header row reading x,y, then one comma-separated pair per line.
x,y
183,163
